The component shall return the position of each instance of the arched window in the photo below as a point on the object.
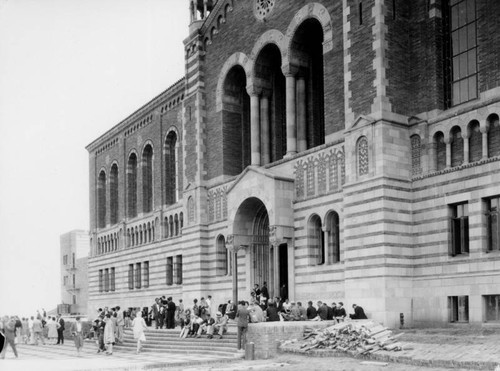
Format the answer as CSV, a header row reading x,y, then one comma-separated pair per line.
x,y
457,146
307,47
171,168
101,200
363,160
475,142
440,151
113,194
333,233
132,186
176,223
181,220
316,241
493,135
147,179
235,122
171,225
416,167
149,233
273,104
221,266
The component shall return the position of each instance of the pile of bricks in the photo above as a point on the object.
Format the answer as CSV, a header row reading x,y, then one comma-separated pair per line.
x,y
355,337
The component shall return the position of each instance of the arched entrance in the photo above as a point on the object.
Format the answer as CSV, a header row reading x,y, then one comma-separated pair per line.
x,y
262,260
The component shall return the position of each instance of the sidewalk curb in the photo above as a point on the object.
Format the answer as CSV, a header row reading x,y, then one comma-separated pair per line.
x,y
479,365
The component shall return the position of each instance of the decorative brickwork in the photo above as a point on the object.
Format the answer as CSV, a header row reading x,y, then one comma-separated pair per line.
x,y
363,158
416,155
320,174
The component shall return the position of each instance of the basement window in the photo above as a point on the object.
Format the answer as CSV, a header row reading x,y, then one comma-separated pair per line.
x,y
458,309
492,308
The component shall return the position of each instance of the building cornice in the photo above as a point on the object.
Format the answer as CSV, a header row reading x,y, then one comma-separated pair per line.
x,y
174,89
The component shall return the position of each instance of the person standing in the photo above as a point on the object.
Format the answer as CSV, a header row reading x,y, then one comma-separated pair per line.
x,y
264,292
77,331
30,328
9,331
53,327
156,312
60,330
243,317
170,313
109,333
26,330
120,323
38,331
138,327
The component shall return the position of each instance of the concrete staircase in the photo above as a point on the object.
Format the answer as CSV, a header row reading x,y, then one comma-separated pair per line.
x,y
161,341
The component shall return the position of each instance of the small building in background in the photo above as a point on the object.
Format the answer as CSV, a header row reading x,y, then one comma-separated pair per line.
x,y
75,246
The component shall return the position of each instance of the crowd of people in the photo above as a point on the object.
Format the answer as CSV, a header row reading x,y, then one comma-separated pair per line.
x,y
201,318
30,330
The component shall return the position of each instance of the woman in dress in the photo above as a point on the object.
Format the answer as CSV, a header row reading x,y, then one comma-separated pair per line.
x,y
52,325
77,331
109,334
138,327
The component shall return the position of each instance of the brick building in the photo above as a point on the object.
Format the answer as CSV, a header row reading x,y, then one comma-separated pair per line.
x,y
338,150
75,246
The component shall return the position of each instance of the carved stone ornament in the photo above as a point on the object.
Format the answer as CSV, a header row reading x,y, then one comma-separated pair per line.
x,y
262,8
229,239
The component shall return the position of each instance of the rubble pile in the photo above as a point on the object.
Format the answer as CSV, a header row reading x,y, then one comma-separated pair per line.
x,y
357,337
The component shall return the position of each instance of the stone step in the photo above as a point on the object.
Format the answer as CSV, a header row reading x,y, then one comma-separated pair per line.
x,y
186,342
231,337
228,355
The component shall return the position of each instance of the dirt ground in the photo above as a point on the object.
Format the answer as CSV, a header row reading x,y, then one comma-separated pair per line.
x,y
292,362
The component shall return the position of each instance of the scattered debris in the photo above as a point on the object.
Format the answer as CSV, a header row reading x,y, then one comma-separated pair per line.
x,y
358,337
372,363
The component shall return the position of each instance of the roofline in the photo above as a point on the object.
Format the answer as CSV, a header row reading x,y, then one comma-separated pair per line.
x,y
138,111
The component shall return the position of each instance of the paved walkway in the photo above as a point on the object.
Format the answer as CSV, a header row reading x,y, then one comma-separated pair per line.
x,y
64,357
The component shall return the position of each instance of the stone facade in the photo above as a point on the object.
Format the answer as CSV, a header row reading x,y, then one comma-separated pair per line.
x,y
315,146
75,248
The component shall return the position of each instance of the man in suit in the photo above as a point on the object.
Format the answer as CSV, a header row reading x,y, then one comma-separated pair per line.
x,y
156,313
243,317
359,313
60,330
170,313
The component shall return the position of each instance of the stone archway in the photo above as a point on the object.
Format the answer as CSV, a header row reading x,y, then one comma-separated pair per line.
x,y
251,230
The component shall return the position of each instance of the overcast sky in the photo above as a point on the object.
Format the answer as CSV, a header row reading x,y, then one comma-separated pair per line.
x,y
69,71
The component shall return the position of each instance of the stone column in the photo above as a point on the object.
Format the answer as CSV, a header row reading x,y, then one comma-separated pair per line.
x,y
255,129
465,137
448,152
264,129
432,156
484,132
291,127
301,114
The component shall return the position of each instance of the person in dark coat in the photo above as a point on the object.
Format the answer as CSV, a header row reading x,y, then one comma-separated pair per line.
x,y
359,313
322,311
329,315
311,311
339,312
60,330
264,292
272,313
242,317
170,313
